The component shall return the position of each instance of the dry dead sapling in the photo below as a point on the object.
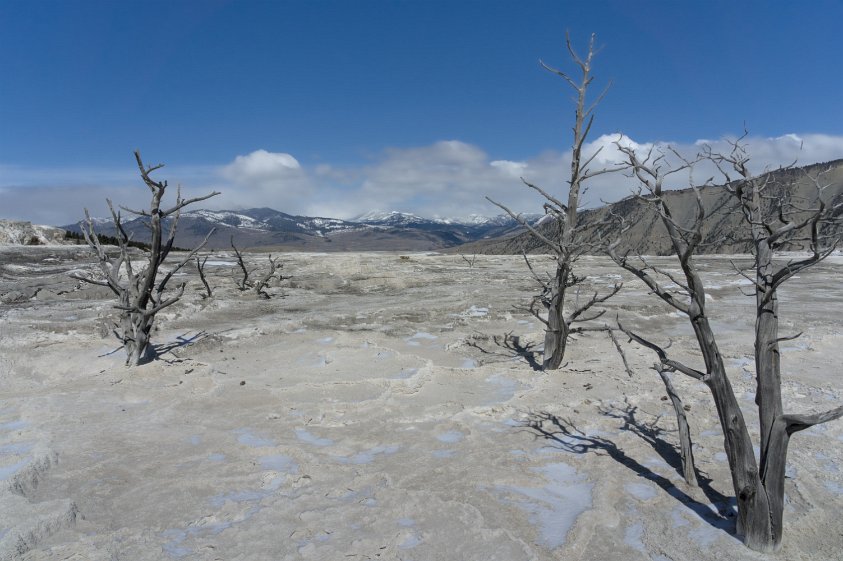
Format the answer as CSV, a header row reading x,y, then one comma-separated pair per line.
x,y
259,284
140,293
561,234
200,268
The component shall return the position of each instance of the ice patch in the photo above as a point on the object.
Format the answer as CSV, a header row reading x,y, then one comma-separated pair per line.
x,y
721,456
442,454
173,547
555,507
677,520
406,373
451,436
314,360
7,471
246,496
216,457
475,312
505,388
406,522
195,439
469,363
16,448
632,537
250,439
368,456
834,487
641,491
306,437
14,425
410,542
325,340
279,462
416,339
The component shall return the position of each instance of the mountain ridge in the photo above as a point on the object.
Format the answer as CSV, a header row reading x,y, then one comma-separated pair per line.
x,y
264,227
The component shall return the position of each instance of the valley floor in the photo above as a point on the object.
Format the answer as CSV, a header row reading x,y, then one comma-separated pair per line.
x,y
385,406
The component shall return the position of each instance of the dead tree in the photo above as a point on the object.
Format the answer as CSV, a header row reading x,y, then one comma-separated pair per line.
x,y
200,266
259,285
758,487
562,237
140,293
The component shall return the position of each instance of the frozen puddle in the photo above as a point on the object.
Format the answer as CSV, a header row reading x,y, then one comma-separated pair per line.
x,y
553,508
175,545
314,360
13,425
368,456
504,388
406,373
8,471
416,340
450,437
641,491
307,438
633,537
475,312
245,436
279,462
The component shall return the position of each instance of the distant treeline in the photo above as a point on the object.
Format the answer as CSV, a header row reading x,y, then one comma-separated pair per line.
x,y
111,240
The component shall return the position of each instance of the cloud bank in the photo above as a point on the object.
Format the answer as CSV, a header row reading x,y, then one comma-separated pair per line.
x,y
445,179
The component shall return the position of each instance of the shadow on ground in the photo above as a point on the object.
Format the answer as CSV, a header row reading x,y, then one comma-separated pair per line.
x,y
563,434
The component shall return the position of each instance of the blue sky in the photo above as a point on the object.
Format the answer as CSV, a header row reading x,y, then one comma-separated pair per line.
x,y
334,107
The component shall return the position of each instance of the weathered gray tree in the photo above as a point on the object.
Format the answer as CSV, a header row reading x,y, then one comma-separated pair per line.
x,y
140,293
772,220
259,284
200,268
563,237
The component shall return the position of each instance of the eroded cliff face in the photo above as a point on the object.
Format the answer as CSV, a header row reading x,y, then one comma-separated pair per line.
x,y
25,233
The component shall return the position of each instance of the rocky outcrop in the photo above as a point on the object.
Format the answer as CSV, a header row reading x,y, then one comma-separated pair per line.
x,y
25,233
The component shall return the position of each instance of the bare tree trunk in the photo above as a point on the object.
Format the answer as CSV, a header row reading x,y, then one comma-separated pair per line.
x,y
686,450
557,328
200,266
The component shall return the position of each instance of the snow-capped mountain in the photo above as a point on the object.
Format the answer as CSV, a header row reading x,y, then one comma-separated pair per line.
x,y
376,230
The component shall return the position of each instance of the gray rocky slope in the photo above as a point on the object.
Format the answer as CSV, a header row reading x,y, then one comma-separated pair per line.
x,y
724,228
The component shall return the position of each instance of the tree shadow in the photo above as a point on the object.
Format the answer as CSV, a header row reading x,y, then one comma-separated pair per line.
x,y
514,349
180,342
652,434
563,434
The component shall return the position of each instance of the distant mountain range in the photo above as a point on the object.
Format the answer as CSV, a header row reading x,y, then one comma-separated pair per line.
x,y
724,228
373,231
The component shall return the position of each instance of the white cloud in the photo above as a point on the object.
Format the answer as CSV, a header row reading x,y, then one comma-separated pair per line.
x,y
261,178
260,165
447,179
